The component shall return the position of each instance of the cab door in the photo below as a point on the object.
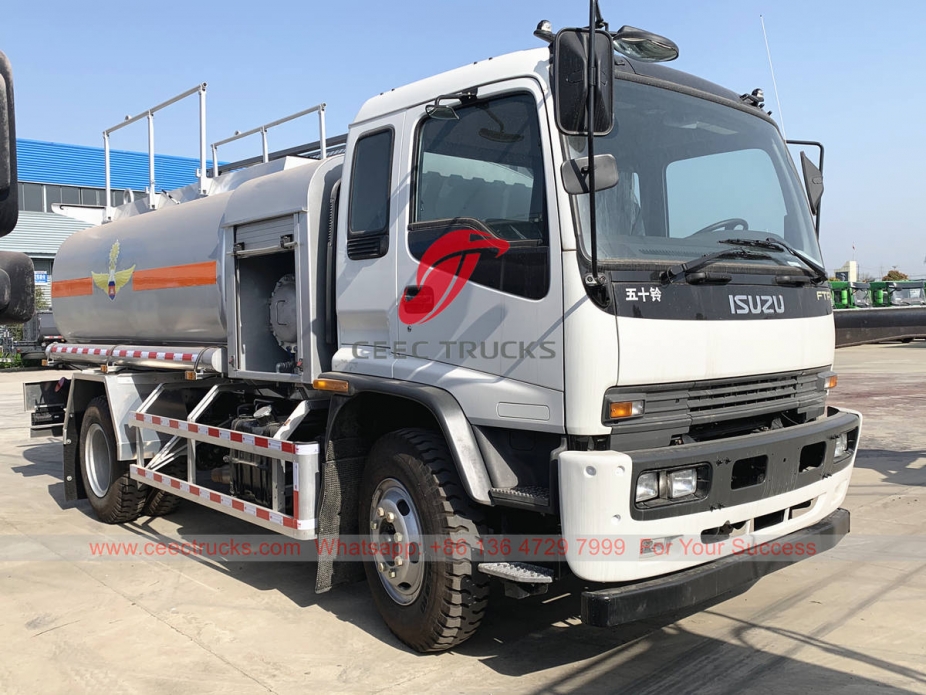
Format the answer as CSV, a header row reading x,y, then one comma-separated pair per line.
x,y
367,245
478,260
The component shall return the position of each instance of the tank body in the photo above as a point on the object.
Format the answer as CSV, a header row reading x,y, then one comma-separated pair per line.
x,y
242,268
151,278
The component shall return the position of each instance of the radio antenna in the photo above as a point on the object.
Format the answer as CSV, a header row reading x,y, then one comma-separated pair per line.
x,y
781,115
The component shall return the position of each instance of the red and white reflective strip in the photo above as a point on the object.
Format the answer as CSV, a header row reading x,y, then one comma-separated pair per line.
x,y
224,435
150,355
75,350
225,500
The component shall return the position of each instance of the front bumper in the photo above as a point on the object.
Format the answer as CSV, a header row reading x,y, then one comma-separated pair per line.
x,y
597,511
663,595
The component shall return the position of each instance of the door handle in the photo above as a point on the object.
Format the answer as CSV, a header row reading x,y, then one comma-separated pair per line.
x,y
418,299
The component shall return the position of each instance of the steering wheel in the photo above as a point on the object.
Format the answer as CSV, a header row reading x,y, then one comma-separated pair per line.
x,y
726,225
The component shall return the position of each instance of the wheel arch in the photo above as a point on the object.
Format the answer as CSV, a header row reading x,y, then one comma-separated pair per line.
x,y
383,405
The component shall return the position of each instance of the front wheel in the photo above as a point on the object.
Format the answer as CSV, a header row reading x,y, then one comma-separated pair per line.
x,y
413,507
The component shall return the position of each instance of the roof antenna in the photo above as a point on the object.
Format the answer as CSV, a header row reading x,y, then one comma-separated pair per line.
x,y
781,115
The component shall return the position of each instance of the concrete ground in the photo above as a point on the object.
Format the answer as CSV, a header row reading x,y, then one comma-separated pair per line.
x,y
852,620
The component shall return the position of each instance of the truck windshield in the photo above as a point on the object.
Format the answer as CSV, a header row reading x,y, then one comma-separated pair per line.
x,y
693,173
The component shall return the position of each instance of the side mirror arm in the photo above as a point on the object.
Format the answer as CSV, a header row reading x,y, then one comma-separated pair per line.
x,y
813,178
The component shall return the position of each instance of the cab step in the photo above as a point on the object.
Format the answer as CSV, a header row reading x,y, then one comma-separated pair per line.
x,y
520,572
531,497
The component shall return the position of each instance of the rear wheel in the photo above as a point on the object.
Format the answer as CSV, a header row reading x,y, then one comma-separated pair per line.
x,y
114,496
161,502
411,501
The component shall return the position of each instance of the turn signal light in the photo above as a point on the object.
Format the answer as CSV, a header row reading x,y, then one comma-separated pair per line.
x,y
830,382
336,385
625,409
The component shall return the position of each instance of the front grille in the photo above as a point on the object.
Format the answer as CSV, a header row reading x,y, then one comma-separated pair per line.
x,y
762,395
673,409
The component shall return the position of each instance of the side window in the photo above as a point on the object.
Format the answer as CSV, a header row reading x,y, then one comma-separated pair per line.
x,y
739,184
368,214
31,197
483,173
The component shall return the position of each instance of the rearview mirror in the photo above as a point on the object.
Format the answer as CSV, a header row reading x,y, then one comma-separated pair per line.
x,y
9,203
17,287
813,182
644,45
575,174
570,81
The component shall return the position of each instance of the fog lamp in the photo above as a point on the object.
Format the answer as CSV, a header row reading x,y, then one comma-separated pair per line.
x,y
647,486
683,483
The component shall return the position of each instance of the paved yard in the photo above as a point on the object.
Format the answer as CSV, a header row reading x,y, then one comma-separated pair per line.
x,y
852,620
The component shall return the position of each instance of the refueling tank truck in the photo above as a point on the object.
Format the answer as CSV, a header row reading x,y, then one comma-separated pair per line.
x,y
431,338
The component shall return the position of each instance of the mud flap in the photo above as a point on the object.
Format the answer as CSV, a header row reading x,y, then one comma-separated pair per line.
x,y
73,480
337,516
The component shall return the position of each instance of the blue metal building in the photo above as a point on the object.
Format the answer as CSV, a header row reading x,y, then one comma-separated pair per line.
x,y
62,190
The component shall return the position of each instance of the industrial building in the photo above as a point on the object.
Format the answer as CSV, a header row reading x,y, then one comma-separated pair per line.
x,y
62,190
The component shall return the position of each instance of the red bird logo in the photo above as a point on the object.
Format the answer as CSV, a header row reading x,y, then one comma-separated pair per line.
x,y
445,268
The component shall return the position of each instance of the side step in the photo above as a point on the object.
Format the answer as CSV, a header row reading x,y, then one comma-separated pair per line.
x,y
521,572
520,579
531,497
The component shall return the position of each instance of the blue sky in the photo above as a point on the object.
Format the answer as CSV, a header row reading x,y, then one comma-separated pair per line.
x,y
847,74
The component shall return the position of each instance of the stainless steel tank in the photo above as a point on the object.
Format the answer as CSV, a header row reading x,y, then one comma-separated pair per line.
x,y
152,278
243,268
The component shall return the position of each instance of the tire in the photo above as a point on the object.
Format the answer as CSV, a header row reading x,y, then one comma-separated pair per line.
x,y
438,601
161,502
114,496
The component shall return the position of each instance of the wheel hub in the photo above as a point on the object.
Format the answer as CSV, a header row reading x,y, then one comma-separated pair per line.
x,y
395,532
99,463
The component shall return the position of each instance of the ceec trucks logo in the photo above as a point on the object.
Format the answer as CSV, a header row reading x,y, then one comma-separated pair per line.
x,y
757,304
444,269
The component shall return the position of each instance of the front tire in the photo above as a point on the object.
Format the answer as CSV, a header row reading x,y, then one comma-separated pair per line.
x,y
112,493
431,600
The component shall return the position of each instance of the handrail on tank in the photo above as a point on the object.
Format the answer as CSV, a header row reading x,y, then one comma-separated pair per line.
x,y
320,108
149,114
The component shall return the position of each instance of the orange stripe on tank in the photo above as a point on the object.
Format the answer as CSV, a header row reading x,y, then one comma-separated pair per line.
x,y
80,287
192,275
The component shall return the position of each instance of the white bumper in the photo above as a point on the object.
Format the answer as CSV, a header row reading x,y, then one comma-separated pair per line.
x,y
604,543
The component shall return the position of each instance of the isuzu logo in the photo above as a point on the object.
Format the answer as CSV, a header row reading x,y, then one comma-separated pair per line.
x,y
757,304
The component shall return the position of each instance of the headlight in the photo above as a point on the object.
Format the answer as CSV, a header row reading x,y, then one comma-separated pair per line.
x,y
683,483
647,486
842,445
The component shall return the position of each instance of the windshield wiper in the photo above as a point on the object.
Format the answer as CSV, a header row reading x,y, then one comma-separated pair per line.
x,y
685,268
776,245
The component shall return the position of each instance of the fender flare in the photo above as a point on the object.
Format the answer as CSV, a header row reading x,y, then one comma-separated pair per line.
x,y
458,432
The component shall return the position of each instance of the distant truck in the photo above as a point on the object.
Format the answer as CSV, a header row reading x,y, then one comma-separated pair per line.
x,y
38,333
558,312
